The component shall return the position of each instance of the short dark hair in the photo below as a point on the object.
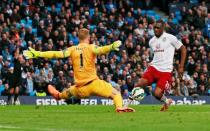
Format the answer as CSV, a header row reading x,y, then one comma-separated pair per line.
x,y
160,21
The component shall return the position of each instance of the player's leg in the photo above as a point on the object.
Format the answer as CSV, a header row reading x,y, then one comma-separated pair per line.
x,y
10,93
52,91
117,99
67,93
143,82
160,96
147,79
104,89
16,94
163,85
116,96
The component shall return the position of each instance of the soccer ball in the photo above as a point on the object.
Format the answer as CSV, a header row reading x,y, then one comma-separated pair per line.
x,y
137,93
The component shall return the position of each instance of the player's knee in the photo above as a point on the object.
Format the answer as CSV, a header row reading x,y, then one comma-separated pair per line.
x,y
142,82
115,92
158,93
17,92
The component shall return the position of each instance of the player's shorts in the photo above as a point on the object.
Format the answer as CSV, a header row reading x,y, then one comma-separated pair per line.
x,y
94,88
16,83
163,79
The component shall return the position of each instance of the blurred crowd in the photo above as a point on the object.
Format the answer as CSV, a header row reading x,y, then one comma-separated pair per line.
x,y
53,25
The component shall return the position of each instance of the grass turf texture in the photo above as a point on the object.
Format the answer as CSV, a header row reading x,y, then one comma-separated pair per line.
x,y
103,118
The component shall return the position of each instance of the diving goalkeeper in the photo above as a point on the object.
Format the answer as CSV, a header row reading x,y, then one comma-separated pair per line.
x,y
87,82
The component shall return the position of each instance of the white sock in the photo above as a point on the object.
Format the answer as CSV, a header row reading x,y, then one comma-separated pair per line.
x,y
128,102
164,99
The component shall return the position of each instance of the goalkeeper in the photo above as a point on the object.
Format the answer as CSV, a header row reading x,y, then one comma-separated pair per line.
x,y
87,82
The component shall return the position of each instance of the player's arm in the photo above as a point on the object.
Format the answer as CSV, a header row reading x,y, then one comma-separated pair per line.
x,y
183,55
106,49
31,53
183,58
178,45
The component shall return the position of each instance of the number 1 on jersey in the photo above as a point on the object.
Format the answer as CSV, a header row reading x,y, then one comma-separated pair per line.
x,y
81,60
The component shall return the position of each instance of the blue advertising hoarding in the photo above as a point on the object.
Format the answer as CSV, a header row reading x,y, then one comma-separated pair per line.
x,y
177,100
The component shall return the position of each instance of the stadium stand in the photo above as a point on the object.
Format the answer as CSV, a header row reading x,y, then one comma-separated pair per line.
x,y
49,25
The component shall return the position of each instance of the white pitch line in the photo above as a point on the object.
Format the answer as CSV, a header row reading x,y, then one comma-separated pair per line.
x,y
21,128
9,127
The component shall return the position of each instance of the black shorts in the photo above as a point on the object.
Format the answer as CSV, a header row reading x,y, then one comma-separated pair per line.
x,y
16,83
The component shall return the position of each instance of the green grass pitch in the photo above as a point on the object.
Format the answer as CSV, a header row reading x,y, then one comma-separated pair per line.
x,y
103,118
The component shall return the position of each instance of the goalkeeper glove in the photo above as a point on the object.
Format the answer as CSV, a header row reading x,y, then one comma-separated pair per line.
x,y
115,45
31,53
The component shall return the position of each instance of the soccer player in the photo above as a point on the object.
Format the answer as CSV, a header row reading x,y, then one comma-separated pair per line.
x,y
87,82
14,77
163,46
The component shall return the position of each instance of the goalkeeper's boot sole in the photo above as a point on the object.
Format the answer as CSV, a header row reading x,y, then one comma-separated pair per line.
x,y
166,105
53,92
125,109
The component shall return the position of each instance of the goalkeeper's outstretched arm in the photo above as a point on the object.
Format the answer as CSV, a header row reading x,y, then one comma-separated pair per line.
x,y
54,54
31,53
106,49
